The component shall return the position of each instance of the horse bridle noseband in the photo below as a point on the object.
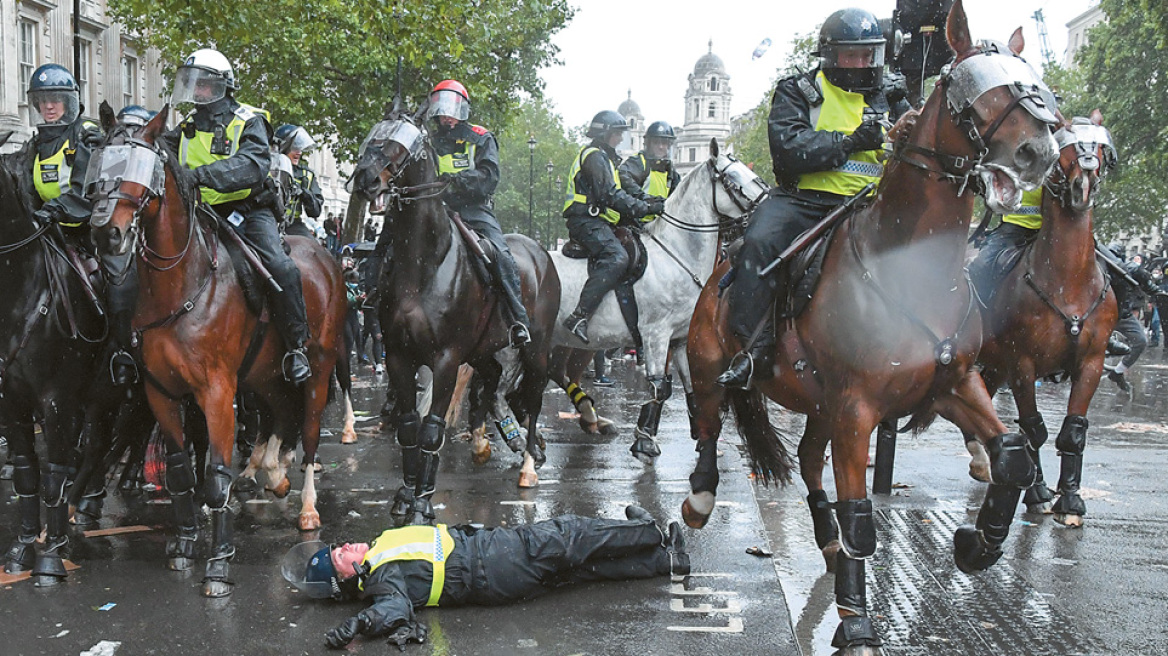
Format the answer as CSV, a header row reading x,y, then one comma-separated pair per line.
x,y
724,220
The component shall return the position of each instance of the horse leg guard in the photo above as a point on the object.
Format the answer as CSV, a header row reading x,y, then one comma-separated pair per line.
x,y
215,582
855,632
1071,441
825,528
857,530
1010,464
26,478
645,446
509,430
50,564
976,548
1038,495
430,439
180,484
407,437
703,482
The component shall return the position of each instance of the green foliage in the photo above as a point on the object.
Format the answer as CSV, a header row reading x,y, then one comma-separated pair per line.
x,y
533,118
330,64
750,140
1121,73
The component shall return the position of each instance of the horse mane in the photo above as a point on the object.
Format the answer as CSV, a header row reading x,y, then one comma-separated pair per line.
x,y
16,190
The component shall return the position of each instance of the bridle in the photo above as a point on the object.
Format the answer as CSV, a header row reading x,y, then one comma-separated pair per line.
x,y
733,189
416,144
1087,146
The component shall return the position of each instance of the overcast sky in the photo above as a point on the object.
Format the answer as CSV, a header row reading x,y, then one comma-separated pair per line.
x,y
650,46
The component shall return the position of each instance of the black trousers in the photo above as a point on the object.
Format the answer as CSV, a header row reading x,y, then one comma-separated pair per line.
x,y
775,223
510,564
607,260
299,229
1134,334
261,229
984,271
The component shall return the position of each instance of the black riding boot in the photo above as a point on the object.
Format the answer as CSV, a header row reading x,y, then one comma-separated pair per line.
x,y
756,363
122,296
507,277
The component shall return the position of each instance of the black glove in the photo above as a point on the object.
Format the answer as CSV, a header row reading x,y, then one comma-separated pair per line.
x,y
343,634
449,178
406,633
44,215
895,87
869,136
657,206
198,175
93,138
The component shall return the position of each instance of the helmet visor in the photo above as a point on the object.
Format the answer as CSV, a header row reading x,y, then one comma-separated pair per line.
x,y
847,55
445,102
197,85
659,148
296,565
53,107
298,140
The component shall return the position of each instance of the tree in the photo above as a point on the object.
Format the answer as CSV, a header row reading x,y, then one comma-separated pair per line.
x,y
329,64
1121,75
750,139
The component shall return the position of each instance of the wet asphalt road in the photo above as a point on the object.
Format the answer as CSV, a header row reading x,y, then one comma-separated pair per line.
x,y
1098,590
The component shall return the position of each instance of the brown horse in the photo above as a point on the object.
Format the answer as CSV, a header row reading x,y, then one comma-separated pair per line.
x,y
1053,312
438,311
196,334
892,329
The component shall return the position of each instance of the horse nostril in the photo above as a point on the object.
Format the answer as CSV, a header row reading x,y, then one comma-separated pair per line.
x,y
1026,156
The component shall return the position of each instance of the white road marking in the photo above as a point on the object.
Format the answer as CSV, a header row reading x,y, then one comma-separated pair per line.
x,y
678,606
733,625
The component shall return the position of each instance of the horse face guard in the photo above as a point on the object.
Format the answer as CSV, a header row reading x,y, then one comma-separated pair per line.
x,y
1095,155
392,145
123,160
991,67
745,189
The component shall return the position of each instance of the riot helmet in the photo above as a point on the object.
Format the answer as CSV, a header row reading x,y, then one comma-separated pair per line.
x,y
204,77
309,566
293,138
53,96
135,116
659,138
604,123
449,98
851,50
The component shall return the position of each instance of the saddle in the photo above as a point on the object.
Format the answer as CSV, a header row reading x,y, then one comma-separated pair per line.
x,y
988,269
797,277
480,247
638,257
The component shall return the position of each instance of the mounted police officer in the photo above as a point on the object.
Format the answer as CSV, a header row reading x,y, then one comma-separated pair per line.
x,y
135,117
596,203
59,155
1016,230
468,159
226,145
650,174
826,141
307,198
412,567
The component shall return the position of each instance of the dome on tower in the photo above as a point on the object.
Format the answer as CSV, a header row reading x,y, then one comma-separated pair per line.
x,y
709,63
629,108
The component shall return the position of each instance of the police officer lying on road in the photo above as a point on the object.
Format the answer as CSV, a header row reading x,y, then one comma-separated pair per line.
x,y
415,566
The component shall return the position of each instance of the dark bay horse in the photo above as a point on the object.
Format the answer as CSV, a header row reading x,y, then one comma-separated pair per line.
x,y
49,361
892,329
1053,312
437,312
194,331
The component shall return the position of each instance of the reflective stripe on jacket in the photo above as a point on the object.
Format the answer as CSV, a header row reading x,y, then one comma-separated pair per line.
x,y
1030,214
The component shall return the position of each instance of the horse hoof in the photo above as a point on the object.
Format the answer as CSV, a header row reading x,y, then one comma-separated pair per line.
x,y
282,489
180,564
1043,508
1070,521
216,589
309,521
858,650
348,436
979,472
245,484
697,508
829,551
481,456
528,480
970,554
606,427
591,428
47,580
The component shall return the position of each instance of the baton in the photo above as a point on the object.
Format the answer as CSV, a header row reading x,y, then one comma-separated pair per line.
x,y
816,230
1115,266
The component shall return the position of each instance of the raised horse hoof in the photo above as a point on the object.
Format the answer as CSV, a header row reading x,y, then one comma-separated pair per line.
x,y
979,467
697,508
245,484
480,449
309,521
645,449
829,552
215,589
1070,521
970,553
605,426
282,489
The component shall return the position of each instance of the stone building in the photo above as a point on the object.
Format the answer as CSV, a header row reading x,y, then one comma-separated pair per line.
x,y
1077,31
707,112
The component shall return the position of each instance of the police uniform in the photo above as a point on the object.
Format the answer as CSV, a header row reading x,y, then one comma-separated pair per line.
x,y
417,566
642,179
595,204
809,129
1017,229
226,144
309,202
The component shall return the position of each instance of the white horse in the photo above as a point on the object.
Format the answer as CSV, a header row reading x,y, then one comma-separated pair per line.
x,y
682,247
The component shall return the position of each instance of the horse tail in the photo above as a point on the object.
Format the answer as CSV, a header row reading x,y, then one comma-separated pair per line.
x,y
919,422
769,459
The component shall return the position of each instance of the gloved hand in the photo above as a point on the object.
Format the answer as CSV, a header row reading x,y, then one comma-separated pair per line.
x,y
198,175
869,136
93,139
657,206
406,633
371,622
449,178
344,633
45,215
895,87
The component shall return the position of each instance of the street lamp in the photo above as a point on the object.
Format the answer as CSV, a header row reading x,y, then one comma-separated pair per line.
x,y
547,224
530,184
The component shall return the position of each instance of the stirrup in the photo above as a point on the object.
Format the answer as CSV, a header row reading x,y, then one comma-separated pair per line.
x,y
122,363
733,376
519,335
578,327
296,366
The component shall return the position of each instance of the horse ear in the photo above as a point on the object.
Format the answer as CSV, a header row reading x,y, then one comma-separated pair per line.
x,y
108,120
1017,43
957,30
1096,117
156,125
713,148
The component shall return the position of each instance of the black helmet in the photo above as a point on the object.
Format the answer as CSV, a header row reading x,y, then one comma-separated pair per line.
x,y
851,50
661,130
135,115
605,122
53,83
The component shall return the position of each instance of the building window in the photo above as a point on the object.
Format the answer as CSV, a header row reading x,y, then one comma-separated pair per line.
x,y
129,80
697,109
713,111
693,154
27,52
85,57
713,83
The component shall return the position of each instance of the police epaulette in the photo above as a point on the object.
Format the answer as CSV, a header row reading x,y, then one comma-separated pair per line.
x,y
809,90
